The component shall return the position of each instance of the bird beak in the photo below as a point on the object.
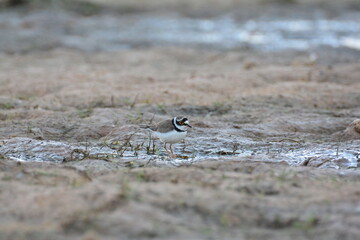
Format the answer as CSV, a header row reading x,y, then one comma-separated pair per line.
x,y
188,125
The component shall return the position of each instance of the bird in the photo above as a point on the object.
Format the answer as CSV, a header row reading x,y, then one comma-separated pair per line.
x,y
171,131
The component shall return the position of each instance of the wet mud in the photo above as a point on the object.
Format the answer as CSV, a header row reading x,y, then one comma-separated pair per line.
x,y
86,106
274,149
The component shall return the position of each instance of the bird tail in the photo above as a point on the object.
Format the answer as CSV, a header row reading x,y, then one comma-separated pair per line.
x,y
147,126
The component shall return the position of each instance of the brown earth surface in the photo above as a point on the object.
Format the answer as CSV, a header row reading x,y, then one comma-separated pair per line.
x,y
72,97
208,200
273,154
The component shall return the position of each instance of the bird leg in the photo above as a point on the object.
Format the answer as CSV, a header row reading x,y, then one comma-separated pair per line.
x,y
167,150
173,155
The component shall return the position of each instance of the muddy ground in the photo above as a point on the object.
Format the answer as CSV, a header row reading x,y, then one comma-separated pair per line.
x,y
207,200
273,154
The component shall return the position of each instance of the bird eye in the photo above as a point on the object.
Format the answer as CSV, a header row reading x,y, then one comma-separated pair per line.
x,y
181,122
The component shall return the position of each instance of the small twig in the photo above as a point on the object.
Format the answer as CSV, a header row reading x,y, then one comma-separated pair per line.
x,y
86,145
84,153
112,100
132,105
148,162
289,139
152,119
235,147
149,146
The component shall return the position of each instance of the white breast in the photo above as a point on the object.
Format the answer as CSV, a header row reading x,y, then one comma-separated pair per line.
x,y
171,137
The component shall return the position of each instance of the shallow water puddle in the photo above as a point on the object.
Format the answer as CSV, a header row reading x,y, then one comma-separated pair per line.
x,y
344,155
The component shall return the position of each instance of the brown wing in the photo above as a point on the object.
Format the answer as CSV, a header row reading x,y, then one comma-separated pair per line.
x,y
164,126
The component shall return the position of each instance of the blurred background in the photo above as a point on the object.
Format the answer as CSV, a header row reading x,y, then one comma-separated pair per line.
x,y
113,25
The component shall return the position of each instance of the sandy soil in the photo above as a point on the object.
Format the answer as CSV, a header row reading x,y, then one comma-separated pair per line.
x,y
72,97
256,117
209,200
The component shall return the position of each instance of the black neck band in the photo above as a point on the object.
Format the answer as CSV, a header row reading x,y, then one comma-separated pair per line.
x,y
176,128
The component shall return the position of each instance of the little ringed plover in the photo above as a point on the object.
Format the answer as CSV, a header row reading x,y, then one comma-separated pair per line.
x,y
171,131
